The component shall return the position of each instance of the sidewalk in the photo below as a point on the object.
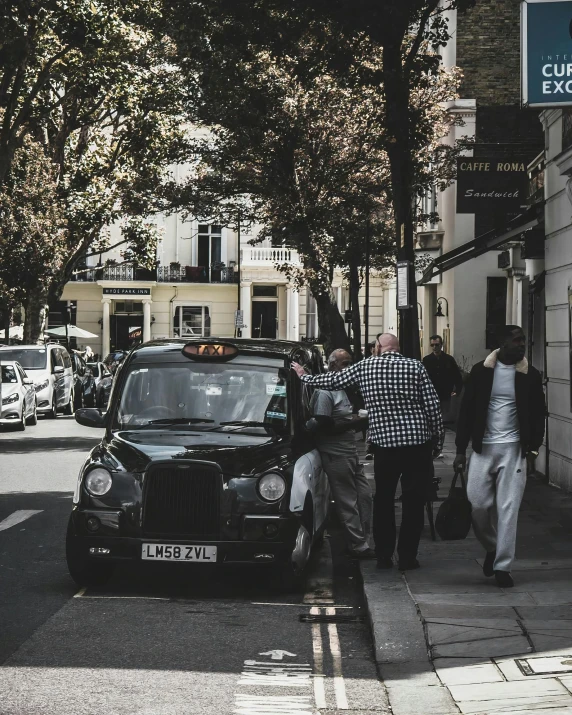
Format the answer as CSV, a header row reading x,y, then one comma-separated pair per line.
x,y
448,640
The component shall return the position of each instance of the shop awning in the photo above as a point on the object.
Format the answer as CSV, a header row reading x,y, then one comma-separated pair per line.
x,y
512,231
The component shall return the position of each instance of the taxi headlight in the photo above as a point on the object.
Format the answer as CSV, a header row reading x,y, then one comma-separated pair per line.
x,y
39,386
10,399
98,482
272,487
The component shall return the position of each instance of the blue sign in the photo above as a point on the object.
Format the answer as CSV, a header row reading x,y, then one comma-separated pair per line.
x,y
546,53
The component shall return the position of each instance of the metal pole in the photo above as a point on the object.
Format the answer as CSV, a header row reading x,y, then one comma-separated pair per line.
x,y
366,307
238,331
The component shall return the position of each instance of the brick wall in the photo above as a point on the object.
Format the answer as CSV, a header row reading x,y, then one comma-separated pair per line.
x,y
488,52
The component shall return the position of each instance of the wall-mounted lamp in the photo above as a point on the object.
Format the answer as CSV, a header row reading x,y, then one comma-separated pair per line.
x,y
100,321
152,318
439,313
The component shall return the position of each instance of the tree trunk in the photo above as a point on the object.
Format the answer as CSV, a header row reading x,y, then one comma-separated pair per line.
x,y
330,323
356,313
401,165
6,324
36,315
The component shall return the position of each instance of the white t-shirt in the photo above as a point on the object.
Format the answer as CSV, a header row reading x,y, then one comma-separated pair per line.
x,y
502,419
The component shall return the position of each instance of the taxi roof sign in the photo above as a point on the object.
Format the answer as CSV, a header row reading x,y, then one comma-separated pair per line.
x,y
210,351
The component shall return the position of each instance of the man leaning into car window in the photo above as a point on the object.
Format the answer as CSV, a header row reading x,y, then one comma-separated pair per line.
x,y
334,425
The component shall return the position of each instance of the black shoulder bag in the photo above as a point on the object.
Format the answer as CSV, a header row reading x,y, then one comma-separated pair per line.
x,y
454,516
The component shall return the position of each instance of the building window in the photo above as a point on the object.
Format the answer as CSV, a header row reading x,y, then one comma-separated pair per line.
x,y
566,128
209,249
496,309
129,307
311,316
191,321
264,291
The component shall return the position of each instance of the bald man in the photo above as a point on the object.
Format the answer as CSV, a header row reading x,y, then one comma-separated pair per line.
x,y
406,429
334,425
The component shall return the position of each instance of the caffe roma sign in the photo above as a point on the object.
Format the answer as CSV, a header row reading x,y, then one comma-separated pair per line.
x,y
490,184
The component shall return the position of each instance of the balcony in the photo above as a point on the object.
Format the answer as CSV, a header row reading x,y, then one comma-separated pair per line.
x,y
218,273
268,256
173,273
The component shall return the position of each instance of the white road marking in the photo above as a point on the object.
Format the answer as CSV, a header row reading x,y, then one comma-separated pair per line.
x,y
273,705
18,517
80,593
339,685
319,686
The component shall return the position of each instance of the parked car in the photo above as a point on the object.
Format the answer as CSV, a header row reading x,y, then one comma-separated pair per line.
x,y
204,460
98,370
19,405
50,367
84,383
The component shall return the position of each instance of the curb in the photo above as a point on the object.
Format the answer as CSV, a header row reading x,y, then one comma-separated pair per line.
x,y
400,647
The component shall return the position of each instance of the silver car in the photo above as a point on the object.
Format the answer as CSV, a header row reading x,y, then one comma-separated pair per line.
x,y
18,396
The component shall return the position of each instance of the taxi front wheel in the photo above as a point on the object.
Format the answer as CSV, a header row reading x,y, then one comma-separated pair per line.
x,y
291,576
84,570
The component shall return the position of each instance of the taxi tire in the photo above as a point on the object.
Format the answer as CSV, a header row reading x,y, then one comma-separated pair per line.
x,y
85,571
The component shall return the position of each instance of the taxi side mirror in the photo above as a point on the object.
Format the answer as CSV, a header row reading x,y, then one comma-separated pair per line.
x,y
90,417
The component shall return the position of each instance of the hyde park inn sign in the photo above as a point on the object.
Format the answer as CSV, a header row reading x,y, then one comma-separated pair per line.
x,y
546,53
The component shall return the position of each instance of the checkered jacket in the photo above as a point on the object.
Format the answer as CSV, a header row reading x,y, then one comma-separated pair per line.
x,y
400,398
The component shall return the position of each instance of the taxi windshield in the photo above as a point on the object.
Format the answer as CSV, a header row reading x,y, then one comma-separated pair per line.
x,y
206,396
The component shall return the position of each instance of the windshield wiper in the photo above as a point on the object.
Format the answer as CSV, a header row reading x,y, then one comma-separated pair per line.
x,y
179,421
245,423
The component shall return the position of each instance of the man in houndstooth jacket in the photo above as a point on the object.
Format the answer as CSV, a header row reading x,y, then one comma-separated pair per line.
x,y
406,430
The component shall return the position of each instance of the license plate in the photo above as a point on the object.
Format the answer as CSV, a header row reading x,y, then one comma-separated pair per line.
x,y
176,552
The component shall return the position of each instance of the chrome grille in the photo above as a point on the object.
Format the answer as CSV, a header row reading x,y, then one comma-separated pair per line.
x,y
182,501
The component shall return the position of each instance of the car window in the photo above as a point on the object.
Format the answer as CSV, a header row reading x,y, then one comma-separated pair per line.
x,y
8,374
23,375
29,358
66,358
57,359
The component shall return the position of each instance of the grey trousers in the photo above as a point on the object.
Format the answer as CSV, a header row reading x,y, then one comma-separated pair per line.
x,y
349,487
496,482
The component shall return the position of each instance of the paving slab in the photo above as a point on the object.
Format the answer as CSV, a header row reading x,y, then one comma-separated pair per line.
x,y
429,701
441,634
437,610
551,597
493,647
536,613
518,706
511,671
500,597
460,671
497,691
499,624
550,643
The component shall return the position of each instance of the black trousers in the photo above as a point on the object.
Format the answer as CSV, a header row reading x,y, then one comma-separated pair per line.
x,y
414,466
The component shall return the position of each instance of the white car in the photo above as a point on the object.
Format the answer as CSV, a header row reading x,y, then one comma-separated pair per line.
x,y
19,404
50,368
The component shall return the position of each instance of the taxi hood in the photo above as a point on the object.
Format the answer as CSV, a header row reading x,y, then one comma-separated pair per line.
x,y
235,453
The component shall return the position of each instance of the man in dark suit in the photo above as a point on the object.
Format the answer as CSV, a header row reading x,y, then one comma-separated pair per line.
x,y
445,375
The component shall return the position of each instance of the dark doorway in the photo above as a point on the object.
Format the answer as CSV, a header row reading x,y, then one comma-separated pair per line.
x,y
264,318
126,331
496,309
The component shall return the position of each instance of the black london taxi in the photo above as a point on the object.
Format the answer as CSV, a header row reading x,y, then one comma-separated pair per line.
x,y
203,461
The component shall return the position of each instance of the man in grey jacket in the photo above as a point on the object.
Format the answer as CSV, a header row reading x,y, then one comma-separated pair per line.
x,y
334,427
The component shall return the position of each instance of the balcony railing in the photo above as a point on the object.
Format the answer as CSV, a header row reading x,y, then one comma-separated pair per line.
x,y
266,256
196,274
163,274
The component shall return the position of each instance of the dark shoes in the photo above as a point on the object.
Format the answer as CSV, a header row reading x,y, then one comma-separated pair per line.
x,y
408,564
504,579
385,563
488,563
368,457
